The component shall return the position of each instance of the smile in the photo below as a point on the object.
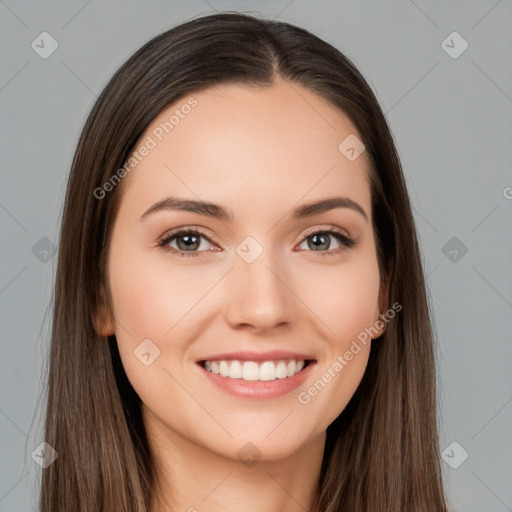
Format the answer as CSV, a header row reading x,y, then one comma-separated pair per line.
x,y
257,380
255,371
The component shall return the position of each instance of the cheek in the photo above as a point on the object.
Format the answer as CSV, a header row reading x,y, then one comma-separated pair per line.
x,y
345,300
348,304
151,295
347,307
155,299
152,302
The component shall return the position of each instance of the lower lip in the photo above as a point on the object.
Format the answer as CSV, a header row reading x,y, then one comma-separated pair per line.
x,y
259,389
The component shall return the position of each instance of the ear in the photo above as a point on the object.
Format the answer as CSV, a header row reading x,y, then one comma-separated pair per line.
x,y
103,317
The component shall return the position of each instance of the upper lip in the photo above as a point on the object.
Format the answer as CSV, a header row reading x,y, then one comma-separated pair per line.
x,y
272,355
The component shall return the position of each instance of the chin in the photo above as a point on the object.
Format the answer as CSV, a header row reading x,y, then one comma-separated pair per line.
x,y
251,449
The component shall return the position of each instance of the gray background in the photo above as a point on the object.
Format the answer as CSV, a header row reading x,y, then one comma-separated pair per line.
x,y
451,118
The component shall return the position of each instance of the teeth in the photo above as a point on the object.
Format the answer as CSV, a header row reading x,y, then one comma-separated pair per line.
x,y
250,370
268,371
235,370
224,369
282,370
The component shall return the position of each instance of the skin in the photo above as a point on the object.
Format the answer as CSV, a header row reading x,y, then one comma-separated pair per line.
x,y
259,152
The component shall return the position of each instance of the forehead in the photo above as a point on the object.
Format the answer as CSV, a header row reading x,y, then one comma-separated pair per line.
x,y
248,147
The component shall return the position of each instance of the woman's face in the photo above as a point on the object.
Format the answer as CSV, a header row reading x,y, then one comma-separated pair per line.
x,y
257,281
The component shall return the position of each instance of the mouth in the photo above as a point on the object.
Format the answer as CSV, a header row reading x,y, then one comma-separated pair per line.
x,y
263,371
261,379
251,375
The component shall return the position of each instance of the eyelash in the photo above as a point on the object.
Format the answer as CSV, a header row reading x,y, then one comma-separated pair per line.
x,y
346,241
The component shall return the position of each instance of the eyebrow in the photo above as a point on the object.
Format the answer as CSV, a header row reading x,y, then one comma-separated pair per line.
x,y
218,212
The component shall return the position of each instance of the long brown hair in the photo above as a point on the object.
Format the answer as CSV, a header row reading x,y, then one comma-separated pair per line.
x,y
382,451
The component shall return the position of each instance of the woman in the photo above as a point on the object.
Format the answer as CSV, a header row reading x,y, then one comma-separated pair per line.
x,y
287,361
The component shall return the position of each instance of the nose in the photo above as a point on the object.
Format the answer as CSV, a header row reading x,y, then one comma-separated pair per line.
x,y
260,295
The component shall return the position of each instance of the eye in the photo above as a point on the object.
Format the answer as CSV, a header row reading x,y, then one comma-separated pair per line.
x,y
188,240
320,240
